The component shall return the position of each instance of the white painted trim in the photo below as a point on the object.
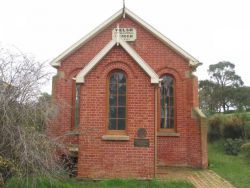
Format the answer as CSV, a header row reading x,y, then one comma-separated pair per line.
x,y
154,77
80,78
56,64
160,36
119,14
85,39
81,75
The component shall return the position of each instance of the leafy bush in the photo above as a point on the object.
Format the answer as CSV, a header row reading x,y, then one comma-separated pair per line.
x,y
246,149
233,127
7,169
247,130
229,112
215,127
232,146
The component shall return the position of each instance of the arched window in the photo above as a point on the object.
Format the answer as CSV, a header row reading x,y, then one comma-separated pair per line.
x,y
167,102
117,101
75,104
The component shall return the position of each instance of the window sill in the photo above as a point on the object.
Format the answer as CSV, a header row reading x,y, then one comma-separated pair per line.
x,y
168,134
115,137
72,133
73,148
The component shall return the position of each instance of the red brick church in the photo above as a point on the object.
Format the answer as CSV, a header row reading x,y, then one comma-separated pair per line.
x,y
128,101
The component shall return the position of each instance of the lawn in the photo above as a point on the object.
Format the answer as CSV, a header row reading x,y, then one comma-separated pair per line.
x,y
235,169
101,184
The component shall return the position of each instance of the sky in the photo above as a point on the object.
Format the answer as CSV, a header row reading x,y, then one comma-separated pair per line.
x,y
210,30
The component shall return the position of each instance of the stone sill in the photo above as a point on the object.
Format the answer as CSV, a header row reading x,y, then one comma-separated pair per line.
x,y
73,148
115,137
168,134
72,133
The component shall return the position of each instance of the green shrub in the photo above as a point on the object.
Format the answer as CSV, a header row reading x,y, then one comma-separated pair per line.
x,y
215,127
245,148
233,127
7,169
229,112
232,146
245,117
247,130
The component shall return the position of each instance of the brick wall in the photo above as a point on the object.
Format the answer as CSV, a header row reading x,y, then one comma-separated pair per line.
x,y
98,158
104,159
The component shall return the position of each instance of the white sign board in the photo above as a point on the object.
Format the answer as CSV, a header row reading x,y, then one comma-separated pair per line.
x,y
127,34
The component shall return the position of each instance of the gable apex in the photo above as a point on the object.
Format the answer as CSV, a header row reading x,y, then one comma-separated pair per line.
x,y
57,61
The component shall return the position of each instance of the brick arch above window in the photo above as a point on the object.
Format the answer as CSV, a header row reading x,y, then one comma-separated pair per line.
x,y
168,70
112,66
73,73
137,58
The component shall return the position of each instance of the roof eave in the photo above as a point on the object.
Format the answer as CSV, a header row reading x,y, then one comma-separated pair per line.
x,y
194,63
85,39
160,36
55,64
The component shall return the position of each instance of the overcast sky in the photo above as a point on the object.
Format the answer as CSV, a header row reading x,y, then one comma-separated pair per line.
x,y
210,30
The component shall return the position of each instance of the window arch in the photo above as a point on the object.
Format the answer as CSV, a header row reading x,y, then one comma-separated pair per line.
x,y
117,101
167,101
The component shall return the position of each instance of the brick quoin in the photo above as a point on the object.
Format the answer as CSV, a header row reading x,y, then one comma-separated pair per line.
x,y
98,158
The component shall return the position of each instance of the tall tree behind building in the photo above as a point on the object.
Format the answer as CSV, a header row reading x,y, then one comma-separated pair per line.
x,y
220,93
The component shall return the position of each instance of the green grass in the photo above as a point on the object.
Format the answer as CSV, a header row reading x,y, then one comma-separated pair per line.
x,y
116,183
235,169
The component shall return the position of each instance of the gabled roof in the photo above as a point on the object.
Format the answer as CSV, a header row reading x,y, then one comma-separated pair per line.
x,y
57,61
80,78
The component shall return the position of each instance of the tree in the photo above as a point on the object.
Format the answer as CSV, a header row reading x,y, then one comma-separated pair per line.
x,y
44,102
208,96
224,76
30,151
44,97
219,91
241,99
